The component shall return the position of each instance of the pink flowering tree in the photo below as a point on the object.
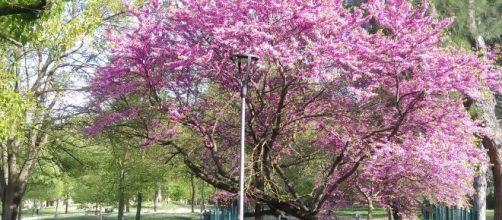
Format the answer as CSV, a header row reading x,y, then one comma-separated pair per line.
x,y
334,88
422,169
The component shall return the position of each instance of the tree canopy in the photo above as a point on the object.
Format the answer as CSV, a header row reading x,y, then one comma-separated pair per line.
x,y
333,89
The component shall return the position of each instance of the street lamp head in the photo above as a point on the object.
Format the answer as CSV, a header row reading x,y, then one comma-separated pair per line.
x,y
243,58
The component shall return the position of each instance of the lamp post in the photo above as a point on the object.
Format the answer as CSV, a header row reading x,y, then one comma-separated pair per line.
x,y
239,59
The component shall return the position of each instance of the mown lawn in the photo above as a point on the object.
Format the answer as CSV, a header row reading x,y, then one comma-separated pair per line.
x,y
377,213
180,216
164,211
489,214
143,217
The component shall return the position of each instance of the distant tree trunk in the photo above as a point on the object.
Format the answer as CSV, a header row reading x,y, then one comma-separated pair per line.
x,y
157,197
138,208
480,185
128,205
192,182
19,213
394,212
202,204
258,211
66,203
154,204
369,200
57,206
390,215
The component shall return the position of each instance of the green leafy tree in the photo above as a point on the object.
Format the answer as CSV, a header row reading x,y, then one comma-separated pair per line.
x,y
41,59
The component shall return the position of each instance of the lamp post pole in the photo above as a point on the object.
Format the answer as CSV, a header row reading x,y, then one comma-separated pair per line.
x,y
244,80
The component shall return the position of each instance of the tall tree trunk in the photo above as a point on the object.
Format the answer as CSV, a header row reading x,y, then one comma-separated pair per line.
x,y
192,182
128,205
480,185
138,208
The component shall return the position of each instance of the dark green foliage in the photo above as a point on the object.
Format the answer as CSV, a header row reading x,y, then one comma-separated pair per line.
x,y
488,15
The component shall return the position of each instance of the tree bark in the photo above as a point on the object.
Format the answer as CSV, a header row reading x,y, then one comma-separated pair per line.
x,y
480,185
493,143
138,208
494,146
11,200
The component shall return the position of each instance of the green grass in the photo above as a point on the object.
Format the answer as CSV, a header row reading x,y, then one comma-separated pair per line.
x,y
127,218
147,213
164,205
489,214
363,212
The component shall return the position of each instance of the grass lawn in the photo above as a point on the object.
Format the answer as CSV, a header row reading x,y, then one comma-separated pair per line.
x,y
128,216
489,214
164,211
351,212
143,217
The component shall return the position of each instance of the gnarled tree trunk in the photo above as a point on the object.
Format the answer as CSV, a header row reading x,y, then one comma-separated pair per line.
x,y
493,142
494,146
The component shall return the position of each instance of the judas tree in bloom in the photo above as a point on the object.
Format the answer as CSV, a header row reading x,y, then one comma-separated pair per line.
x,y
421,169
334,87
